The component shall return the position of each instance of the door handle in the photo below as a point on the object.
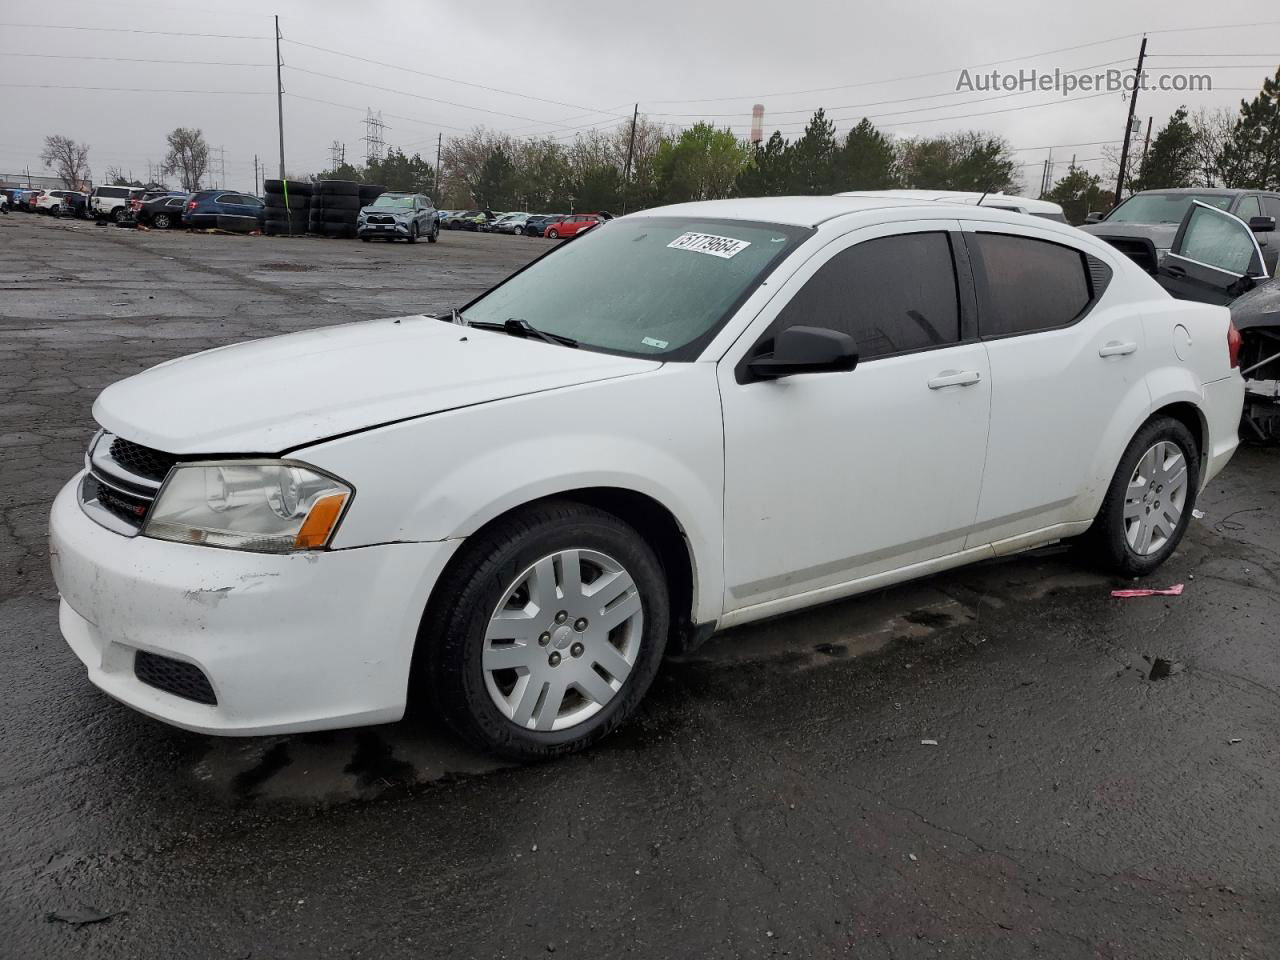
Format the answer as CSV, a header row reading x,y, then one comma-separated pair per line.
x,y
1116,348
1174,271
955,378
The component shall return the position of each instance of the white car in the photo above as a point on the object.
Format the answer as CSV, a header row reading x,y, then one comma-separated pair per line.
x,y
53,201
704,415
112,203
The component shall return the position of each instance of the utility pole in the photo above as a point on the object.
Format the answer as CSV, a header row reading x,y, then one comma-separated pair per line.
x,y
280,96
436,186
1146,145
255,175
1128,124
631,146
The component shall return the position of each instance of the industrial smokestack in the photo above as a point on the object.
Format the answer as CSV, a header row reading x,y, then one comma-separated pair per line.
x,y
757,123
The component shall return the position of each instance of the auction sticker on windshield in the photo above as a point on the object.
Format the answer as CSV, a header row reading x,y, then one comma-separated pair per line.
x,y
724,247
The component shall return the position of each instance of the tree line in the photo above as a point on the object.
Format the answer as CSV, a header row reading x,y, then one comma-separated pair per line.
x,y
642,164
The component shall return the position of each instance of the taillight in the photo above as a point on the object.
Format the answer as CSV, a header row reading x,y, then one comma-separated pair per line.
x,y
191,205
1234,341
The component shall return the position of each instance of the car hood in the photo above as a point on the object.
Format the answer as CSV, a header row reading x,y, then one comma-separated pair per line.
x,y
394,211
270,396
1160,234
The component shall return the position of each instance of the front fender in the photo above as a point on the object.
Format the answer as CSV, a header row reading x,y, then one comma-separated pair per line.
x,y
444,476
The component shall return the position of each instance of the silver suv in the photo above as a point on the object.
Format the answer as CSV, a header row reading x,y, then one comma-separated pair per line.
x,y
407,216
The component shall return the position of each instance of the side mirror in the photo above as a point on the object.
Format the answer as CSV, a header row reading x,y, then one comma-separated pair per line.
x,y
1094,216
805,350
1262,224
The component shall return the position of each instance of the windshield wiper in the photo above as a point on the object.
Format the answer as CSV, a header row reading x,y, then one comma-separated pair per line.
x,y
520,327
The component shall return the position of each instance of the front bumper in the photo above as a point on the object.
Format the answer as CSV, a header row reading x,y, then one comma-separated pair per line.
x,y
288,643
382,230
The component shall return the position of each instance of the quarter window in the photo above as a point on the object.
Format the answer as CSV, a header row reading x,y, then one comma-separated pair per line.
x,y
1271,208
891,294
1026,284
1249,208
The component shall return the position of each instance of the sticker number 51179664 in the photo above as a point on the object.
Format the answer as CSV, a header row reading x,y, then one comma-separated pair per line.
x,y
709,243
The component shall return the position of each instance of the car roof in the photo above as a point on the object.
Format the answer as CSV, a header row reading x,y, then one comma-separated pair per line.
x,y
793,211
963,196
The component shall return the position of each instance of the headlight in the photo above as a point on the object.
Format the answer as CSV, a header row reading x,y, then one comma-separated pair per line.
x,y
266,507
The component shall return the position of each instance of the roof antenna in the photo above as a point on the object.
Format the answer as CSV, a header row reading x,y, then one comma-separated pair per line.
x,y
983,197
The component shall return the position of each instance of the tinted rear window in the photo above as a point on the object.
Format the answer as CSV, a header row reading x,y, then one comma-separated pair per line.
x,y
1026,284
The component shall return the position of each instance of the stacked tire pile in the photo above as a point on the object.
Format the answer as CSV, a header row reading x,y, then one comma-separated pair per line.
x,y
288,207
335,205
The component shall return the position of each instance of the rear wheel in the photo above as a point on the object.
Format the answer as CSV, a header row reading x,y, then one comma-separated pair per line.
x,y
118,214
161,221
552,629
1150,500
518,231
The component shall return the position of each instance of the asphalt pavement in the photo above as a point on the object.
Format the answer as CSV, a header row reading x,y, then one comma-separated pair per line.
x,y
981,764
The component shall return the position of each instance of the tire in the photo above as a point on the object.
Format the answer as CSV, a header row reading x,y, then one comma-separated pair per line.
x,y
300,188
335,204
434,235
368,193
117,215
161,221
343,218
451,654
1142,489
553,234
413,233
336,188
518,231
277,201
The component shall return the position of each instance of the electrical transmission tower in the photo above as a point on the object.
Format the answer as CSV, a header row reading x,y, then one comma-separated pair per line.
x,y
337,155
373,142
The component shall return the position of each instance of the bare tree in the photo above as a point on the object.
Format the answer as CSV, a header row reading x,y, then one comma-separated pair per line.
x,y
1213,131
188,156
68,159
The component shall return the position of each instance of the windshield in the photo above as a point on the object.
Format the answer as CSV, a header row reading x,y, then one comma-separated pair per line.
x,y
1162,207
648,287
386,201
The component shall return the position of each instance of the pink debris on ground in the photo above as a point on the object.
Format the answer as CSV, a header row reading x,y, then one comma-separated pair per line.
x,y
1174,591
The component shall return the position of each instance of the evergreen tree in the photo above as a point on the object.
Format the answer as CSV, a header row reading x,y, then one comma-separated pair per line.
x,y
812,158
1251,155
1079,193
768,171
866,161
496,184
1172,160
969,160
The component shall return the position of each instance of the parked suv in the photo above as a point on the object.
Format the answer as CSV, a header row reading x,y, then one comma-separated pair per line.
x,y
1144,225
405,216
54,202
700,416
204,207
111,203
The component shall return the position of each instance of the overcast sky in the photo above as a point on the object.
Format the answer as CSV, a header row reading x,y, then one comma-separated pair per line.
x,y
680,59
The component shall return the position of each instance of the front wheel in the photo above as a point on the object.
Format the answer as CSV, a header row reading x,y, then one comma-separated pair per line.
x,y
434,235
1150,500
553,234
518,231
550,631
413,233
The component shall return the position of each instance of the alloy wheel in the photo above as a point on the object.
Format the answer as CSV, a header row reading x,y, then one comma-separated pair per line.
x,y
563,640
160,221
1156,498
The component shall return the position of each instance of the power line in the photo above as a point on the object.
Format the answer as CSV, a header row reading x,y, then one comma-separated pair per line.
x,y
437,76
197,63
56,86
153,33
973,66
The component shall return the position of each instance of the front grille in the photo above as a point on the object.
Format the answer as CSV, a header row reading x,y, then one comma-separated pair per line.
x,y
127,507
177,677
380,219
121,481
141,460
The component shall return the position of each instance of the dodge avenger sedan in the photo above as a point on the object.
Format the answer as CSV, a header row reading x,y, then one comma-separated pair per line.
x,y
703,415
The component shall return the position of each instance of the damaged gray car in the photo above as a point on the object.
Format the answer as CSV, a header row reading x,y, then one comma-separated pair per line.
x,y
1217,257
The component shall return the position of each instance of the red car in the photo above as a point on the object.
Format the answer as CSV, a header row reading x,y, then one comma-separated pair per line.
x,y
572,226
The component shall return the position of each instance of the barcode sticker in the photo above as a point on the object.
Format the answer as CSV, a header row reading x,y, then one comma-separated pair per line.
x,y
709,243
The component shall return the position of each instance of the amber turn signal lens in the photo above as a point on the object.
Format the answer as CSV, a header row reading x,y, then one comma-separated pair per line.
x,y
320,522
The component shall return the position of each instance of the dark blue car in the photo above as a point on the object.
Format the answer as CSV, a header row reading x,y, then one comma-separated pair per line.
x,y
205,207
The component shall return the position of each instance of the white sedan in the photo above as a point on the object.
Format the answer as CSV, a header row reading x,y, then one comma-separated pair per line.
x,y
704,415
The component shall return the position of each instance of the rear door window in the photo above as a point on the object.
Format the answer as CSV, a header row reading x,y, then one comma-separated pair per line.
x,y
891,295
1026,284
1216,239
